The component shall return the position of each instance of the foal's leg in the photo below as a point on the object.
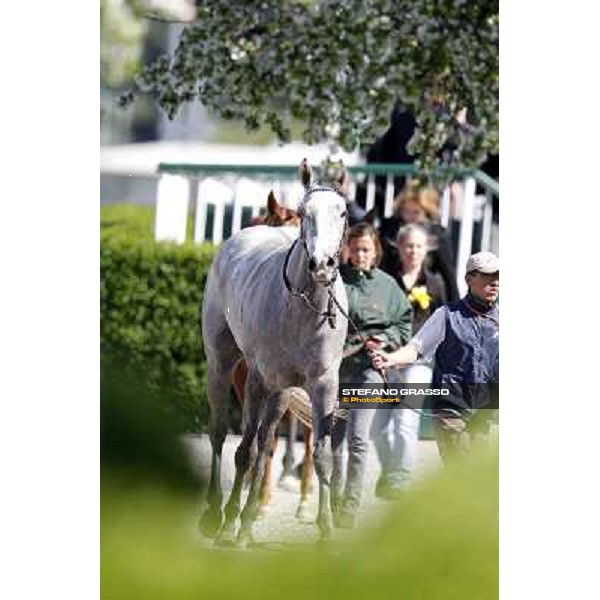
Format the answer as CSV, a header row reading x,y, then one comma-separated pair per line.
x,y
307,468
238,379
265,487
276,406
289,459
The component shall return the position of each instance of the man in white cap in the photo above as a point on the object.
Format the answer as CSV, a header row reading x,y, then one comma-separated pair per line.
x,y
462,338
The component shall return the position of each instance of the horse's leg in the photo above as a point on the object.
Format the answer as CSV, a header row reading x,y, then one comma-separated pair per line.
x,y
250,472
323,394
238,380
323,459
222,353
307,468
338,437
212,518
276,406
254,394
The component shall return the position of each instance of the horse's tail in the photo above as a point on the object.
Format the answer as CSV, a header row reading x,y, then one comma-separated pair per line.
x,y
300,405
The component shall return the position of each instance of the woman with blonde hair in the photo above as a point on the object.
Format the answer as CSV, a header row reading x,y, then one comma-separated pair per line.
x,y
425,292
420,205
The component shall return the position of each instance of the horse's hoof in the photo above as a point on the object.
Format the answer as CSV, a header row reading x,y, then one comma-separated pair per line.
x,y
325,524
345,519
289,484
210,522
245,538
303,513
226,538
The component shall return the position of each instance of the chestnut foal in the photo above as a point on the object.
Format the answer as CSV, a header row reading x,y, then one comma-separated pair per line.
x,y
280,216
277,215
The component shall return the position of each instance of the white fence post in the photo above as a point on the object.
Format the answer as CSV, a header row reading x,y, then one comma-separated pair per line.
x,y
236,219
388,210
370,201
445,207
248,194
465,242
218,194
171,208
200,224
217,236
486,228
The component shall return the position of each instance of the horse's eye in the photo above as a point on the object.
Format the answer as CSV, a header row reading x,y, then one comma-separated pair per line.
x,y
344,214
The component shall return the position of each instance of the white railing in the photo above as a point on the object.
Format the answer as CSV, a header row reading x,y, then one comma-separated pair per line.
x,y
230,189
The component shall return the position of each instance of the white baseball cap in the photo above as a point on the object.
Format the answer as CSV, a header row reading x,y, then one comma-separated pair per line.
x,y
484,262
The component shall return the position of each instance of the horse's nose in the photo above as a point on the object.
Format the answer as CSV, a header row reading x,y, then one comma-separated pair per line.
x,y
330,262
312,263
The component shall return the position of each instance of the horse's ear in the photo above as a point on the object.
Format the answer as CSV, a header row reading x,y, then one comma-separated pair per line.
x,y
305,173
272,204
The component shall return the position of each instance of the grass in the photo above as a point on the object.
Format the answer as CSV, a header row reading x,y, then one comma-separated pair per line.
x,y
441,541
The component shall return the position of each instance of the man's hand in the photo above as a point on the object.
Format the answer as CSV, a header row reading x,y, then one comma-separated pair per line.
x,y
399,358
379,360
373,343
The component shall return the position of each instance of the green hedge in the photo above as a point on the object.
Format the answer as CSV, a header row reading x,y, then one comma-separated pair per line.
x,y
150,303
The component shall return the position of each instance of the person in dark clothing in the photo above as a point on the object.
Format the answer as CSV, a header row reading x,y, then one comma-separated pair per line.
x,y
420,206
463,339
356,214
389,148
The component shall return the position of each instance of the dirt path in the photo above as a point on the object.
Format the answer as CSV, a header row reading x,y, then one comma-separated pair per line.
x,y
279,525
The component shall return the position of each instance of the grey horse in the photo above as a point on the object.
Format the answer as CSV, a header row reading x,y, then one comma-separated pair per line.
x,y
268,299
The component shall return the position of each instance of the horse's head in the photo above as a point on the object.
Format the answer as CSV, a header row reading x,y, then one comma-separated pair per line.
x,y
323,226
280,216
277,215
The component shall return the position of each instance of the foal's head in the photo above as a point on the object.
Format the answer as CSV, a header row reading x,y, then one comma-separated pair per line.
x,y
323,226
277,215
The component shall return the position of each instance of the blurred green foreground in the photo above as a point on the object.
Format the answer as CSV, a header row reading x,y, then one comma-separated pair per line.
x,y
440,541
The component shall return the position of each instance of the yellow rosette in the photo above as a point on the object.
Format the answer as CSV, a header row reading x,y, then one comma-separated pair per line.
x,y
419,295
